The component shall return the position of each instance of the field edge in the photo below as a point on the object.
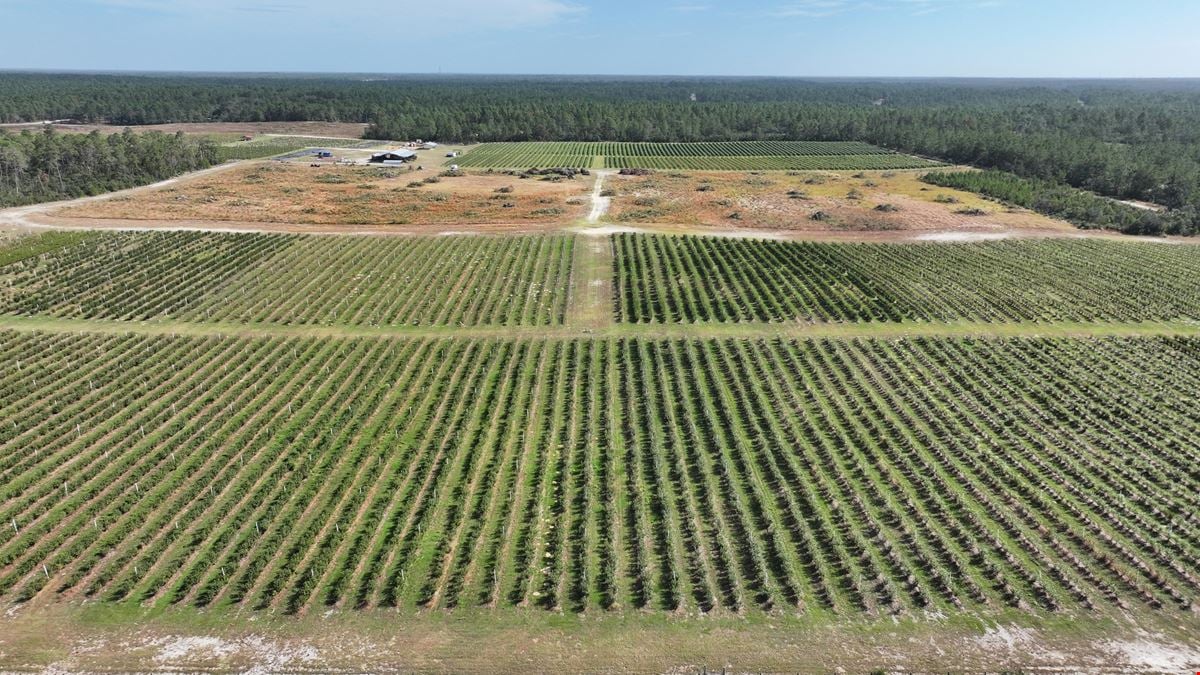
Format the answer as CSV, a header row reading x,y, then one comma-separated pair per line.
x,y
126,636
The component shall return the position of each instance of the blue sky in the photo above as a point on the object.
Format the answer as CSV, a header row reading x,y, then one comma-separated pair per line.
x,y
985,38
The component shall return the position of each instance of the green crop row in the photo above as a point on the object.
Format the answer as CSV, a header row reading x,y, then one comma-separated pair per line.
x,y
773,163
833,476
665,279
253,278
739,156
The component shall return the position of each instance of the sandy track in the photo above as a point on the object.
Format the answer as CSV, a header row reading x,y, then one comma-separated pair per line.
x,y
43,221
600,203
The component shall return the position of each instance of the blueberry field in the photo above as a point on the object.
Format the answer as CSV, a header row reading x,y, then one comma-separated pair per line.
x,y
170,437
822,476
722,156
664,278
294,279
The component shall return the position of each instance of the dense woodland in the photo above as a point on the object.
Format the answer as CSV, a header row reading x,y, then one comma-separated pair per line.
x,y
1083,208
44,166
1126,139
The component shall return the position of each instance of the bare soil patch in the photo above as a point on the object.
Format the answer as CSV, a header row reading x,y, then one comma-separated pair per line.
x,y
351,197
861,204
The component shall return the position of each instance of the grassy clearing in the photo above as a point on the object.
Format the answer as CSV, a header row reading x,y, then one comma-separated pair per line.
x,y
733,156
821,477
269,145
662,278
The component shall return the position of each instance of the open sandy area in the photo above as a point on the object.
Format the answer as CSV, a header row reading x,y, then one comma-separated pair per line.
x,y
350,196
868,204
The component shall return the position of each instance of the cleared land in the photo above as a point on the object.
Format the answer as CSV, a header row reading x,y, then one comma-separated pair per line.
x,y
822,476
270,145
733,156
296,193
438,281
664,278
874,204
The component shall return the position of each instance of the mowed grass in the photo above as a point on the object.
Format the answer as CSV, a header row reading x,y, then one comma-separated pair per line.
x,y
666,278
269,145
826,477
296,279
732,156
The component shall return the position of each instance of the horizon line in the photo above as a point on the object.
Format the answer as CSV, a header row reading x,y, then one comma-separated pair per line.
x,y
351,73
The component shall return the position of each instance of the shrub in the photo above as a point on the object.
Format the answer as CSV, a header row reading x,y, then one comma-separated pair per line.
x,y
643,214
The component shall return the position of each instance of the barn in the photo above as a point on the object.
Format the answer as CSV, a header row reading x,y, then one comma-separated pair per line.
x,y
393,156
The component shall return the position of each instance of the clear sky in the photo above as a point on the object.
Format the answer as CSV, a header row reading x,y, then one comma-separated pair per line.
x,y
984,38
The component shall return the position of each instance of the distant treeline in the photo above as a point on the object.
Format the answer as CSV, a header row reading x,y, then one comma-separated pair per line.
x,y
1126,139
45,166
1085,209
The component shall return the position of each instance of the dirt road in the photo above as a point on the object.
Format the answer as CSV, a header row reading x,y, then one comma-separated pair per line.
x,y
600,203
